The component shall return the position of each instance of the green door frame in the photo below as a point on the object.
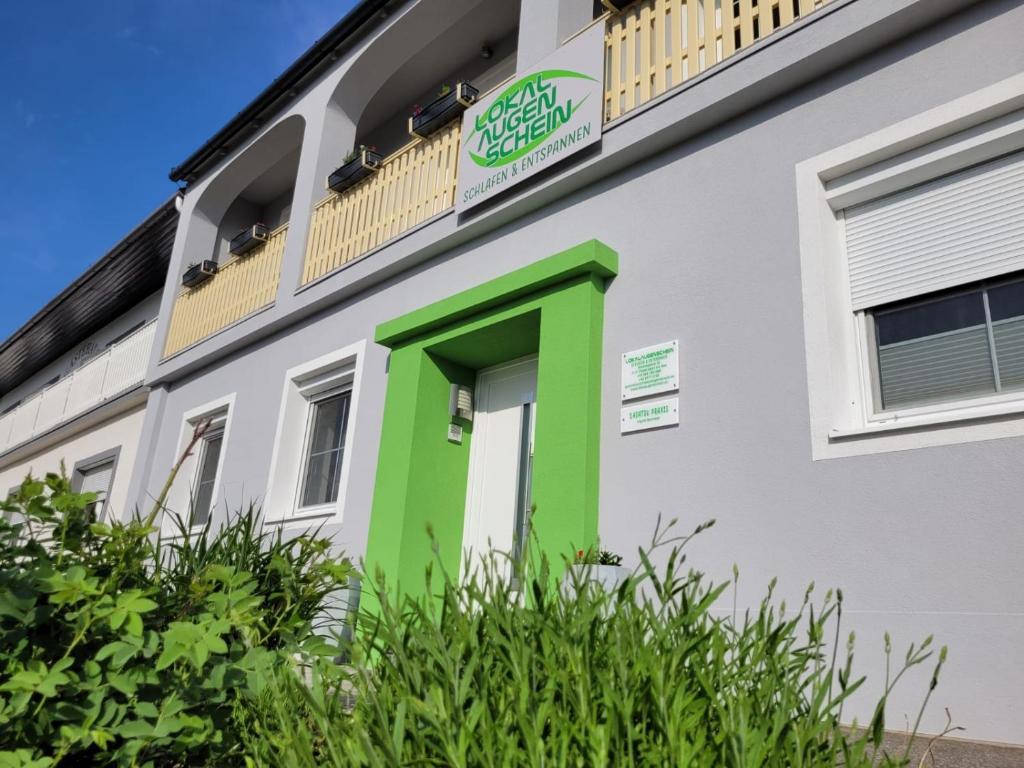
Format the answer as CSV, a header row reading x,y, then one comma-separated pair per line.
x,y
554,307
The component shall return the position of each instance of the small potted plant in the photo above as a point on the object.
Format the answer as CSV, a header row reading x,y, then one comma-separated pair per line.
x,y
449,104
248,238
597,566
199,273
357,165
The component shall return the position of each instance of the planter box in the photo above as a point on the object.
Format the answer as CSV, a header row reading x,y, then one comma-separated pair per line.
x,y
365,164
608,577
199,273
248,239
617,5
442,110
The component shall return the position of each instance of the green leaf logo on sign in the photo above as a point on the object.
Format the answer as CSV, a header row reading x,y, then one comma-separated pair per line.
x,y
521,117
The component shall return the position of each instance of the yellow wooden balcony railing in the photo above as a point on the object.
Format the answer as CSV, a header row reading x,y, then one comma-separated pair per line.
x,y
651,47
242,285
655,45
414,184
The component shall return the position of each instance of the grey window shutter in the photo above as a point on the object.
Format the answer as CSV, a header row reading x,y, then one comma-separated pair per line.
x,y
960,228
97,480
1009,338
946,366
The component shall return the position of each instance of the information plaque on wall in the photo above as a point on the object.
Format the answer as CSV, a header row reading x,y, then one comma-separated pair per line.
x,y
650,415
650,371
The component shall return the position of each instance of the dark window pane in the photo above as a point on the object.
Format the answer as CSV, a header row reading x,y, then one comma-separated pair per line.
x,y
322,475
207,477
325,451
939,316
203,503
934,351
328,424
1006,301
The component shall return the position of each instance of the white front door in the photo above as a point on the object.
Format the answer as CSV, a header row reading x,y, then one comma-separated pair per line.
x,y
500,460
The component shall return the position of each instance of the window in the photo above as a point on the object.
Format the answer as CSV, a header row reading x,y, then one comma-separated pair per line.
x,y
940,345
206,477
96,480
96,475
199,486
912,269
956,346
325,449
313,448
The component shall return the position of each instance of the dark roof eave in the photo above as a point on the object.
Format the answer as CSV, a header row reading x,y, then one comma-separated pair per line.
x,y
285,86
74,313
137,233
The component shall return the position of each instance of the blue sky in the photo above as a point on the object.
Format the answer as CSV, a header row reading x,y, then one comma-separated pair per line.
x,y
100,99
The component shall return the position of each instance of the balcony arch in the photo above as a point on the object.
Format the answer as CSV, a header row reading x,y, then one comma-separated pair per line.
x,y
221,285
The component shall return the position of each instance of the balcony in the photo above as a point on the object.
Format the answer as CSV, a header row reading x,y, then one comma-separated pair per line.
x,y
651,47
656,45
414,184
242,285
120,368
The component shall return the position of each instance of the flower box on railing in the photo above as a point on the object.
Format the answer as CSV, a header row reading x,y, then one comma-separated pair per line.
x,y
248,238
442,110
365,163
197,274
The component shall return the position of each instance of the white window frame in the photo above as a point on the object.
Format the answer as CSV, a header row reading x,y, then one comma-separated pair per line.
x,y
85,466
304,385
841,387
182,493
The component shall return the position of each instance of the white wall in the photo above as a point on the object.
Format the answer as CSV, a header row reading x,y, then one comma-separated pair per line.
x,y
142,312
121,431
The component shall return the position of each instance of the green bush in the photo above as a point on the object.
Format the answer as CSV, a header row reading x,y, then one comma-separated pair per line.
x,y
117,648
655,673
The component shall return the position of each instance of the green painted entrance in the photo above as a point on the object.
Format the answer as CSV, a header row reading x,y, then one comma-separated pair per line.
x,y
553,308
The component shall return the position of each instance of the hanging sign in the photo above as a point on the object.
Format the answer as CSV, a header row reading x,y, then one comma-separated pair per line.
x,y
650,415
546,114
651,370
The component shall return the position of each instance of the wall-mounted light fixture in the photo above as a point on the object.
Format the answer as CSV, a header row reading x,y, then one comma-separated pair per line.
x,y
486,51
460,403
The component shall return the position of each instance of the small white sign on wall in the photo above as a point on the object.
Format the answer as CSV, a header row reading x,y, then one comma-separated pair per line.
x,y
651,370
658,413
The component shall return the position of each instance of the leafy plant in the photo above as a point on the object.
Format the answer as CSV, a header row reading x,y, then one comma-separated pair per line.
x,y
118,647
652,673
357,152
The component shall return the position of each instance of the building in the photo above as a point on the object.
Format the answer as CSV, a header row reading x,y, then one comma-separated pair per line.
x,y
71,378
775,280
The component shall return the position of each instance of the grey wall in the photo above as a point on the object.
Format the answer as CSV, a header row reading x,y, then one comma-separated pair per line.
x,y
241,214
922,541
392,133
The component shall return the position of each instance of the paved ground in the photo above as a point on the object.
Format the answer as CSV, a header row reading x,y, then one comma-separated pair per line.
x,y
959,753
